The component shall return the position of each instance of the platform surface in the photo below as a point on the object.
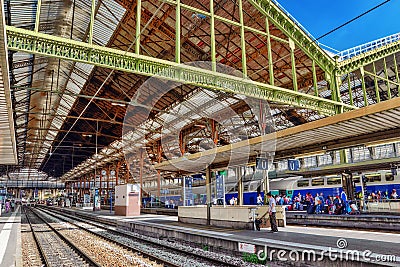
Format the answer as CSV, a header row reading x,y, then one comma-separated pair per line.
x,y
10,239
317,238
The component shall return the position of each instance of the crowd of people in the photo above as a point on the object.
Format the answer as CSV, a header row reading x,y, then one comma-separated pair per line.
x,y
332,204
318,204
7,205
381,196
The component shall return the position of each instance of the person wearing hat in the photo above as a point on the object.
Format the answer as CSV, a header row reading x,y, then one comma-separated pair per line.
x,y
272,213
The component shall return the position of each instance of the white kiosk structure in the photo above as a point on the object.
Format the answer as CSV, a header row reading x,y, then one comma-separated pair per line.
x,y
127,200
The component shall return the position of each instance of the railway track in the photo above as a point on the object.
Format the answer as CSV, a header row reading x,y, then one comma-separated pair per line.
x,y
54,249
94,250
160,250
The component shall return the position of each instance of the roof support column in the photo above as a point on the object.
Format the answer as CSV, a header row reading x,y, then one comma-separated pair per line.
x,y
108,184
343,156
378,98
387,79
178,32
350,91
314,76
37,20
241,171
91,23
80,186
159,158
242,39
117,172
138,21
364,89
212,33
293,60
270,63
208,192
396,71
141,174
214,131
100,187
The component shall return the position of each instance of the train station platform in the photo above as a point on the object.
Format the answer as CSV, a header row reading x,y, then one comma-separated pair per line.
x,y
10,239
368,221
328,244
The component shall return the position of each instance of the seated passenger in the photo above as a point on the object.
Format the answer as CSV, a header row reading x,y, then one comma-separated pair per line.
x,y
354,209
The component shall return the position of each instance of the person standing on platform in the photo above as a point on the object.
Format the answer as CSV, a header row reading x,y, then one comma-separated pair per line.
x,y
272,213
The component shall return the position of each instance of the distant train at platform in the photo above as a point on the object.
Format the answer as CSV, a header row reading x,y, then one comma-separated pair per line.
x,y
383,181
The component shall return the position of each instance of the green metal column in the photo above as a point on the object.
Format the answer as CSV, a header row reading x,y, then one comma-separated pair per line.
x,y
350,91
241,172
178,32
91,23
242,39
212,33
138,24
343,156
364,89
37,20
293,60
387,79
314,76
270,63
336,83
396,71
378,98
208,192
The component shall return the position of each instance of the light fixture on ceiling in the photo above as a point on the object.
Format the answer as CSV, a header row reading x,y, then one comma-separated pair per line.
x,y
118,104
86,135
200,125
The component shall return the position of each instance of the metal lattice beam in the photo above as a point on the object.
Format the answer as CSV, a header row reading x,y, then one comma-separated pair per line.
x,y
43,44
363,59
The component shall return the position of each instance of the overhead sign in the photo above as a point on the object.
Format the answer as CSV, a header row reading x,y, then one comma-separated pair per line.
x,y
262,163
293,164
248,248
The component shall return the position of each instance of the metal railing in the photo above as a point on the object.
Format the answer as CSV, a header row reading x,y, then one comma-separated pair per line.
x,y
360,49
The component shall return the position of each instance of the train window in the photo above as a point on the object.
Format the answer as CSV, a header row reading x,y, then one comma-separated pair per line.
x,y
373,178
389,177
334,180
317,182
356,179
303,183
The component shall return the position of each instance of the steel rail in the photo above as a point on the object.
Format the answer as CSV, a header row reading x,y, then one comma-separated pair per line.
x,y
84,256
92,221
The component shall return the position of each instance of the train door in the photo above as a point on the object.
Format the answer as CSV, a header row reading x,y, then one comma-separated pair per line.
x,y
348,185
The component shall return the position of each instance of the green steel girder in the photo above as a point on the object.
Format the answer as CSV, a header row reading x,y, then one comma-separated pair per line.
x,y
282,21
356,62
44,44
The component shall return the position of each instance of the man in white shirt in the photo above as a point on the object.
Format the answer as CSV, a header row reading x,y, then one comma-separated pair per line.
x,y
259,200
272,213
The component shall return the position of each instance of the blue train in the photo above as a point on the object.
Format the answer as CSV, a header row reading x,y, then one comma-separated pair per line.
x,y
383,181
